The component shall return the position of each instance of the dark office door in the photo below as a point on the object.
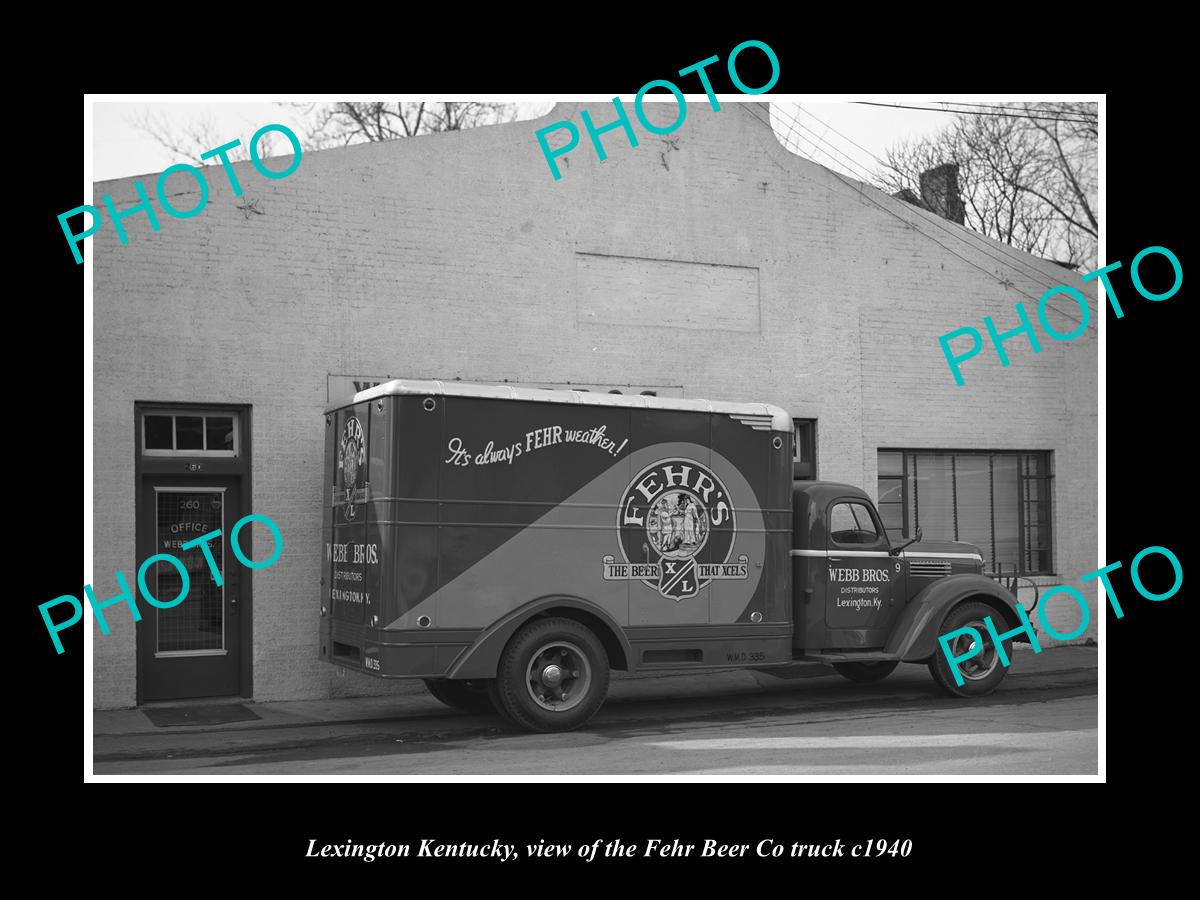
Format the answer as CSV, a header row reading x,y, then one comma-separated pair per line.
x,y
192,649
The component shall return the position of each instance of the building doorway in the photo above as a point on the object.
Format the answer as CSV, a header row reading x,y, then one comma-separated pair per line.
x,y
193,475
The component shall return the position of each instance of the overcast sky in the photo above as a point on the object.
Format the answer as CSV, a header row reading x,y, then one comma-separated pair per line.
x,y
827,133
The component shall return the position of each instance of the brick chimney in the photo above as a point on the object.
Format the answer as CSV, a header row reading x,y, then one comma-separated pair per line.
x,y
939,192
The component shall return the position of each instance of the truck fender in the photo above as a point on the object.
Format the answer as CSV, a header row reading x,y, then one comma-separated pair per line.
x,y
914,637
481,659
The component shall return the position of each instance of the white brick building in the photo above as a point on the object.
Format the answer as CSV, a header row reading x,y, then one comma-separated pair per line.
x,y
706,263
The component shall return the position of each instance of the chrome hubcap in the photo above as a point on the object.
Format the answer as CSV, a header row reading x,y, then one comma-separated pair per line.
x,y
981,665
558,676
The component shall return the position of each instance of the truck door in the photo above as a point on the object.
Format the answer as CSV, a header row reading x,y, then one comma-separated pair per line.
x,y
865,584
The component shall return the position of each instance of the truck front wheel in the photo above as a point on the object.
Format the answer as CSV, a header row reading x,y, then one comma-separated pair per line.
x,y
553,676
982,673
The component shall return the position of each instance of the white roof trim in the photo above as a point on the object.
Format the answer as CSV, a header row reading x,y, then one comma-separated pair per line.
x,y
779,419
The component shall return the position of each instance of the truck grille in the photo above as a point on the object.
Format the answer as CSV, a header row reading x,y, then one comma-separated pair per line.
x,y
929,568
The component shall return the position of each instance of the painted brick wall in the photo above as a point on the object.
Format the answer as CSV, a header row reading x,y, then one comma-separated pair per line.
x,y
457,255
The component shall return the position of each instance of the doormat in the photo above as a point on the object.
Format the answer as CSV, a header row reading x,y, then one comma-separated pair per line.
x,y
217,714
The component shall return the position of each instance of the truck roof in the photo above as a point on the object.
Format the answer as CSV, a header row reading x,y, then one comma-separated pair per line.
x,y
821,492
760,416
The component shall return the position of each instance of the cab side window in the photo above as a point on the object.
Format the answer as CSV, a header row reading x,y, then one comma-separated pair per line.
x,y
852,523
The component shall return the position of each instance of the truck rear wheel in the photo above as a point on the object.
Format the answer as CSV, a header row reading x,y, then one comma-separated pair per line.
x,y
553,676
982,673
468,695
865,672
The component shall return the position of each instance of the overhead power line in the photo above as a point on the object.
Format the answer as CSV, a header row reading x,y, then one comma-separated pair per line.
x,y
1007,249
1013,261
846,137
992,106
1014,255
975,112
855,167
1017,266
788,126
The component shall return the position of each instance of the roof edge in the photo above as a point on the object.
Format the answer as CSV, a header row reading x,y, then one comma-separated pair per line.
x,y
759,416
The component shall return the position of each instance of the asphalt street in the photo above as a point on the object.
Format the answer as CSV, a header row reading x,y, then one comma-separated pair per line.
x,y
806,723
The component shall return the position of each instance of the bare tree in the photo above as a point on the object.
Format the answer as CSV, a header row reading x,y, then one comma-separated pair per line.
x,y
325,125
1028,178
189,141
339,124
1069,187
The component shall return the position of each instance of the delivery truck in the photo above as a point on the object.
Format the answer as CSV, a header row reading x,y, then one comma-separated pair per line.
x,y
512,546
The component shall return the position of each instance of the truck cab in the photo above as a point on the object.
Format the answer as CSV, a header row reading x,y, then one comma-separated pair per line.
x,y
865,604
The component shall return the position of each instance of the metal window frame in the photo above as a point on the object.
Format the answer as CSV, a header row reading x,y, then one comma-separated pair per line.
x,y
1044,496
1046,460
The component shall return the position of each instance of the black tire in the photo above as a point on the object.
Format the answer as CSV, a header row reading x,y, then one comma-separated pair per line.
x,y
468,695
866,672
553,676
493,690
982,673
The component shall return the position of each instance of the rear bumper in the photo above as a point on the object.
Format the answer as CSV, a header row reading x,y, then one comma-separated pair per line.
x,y
415,653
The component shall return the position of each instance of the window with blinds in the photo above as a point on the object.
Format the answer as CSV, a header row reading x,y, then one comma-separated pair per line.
x,y
997,500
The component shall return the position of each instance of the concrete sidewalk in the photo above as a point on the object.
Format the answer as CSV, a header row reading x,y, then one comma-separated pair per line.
x,y
419,704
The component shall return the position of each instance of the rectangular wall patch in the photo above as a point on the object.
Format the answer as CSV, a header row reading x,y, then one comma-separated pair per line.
x,y
661,293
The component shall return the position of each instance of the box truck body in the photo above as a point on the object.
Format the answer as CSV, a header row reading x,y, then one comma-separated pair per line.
x,y
635,532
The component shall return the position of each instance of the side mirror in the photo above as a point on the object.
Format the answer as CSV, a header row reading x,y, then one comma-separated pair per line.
x,y
895,551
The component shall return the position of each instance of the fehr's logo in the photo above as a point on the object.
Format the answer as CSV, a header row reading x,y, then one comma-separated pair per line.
x,y
352,455
673,514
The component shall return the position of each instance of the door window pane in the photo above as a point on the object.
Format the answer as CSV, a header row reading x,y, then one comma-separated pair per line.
x,y
851,523
840,519
864,519
198,623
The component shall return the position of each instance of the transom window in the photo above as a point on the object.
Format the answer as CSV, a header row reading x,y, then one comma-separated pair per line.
x,y
189,433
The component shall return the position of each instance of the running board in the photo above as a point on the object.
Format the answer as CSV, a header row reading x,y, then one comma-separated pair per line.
x,y
847,656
